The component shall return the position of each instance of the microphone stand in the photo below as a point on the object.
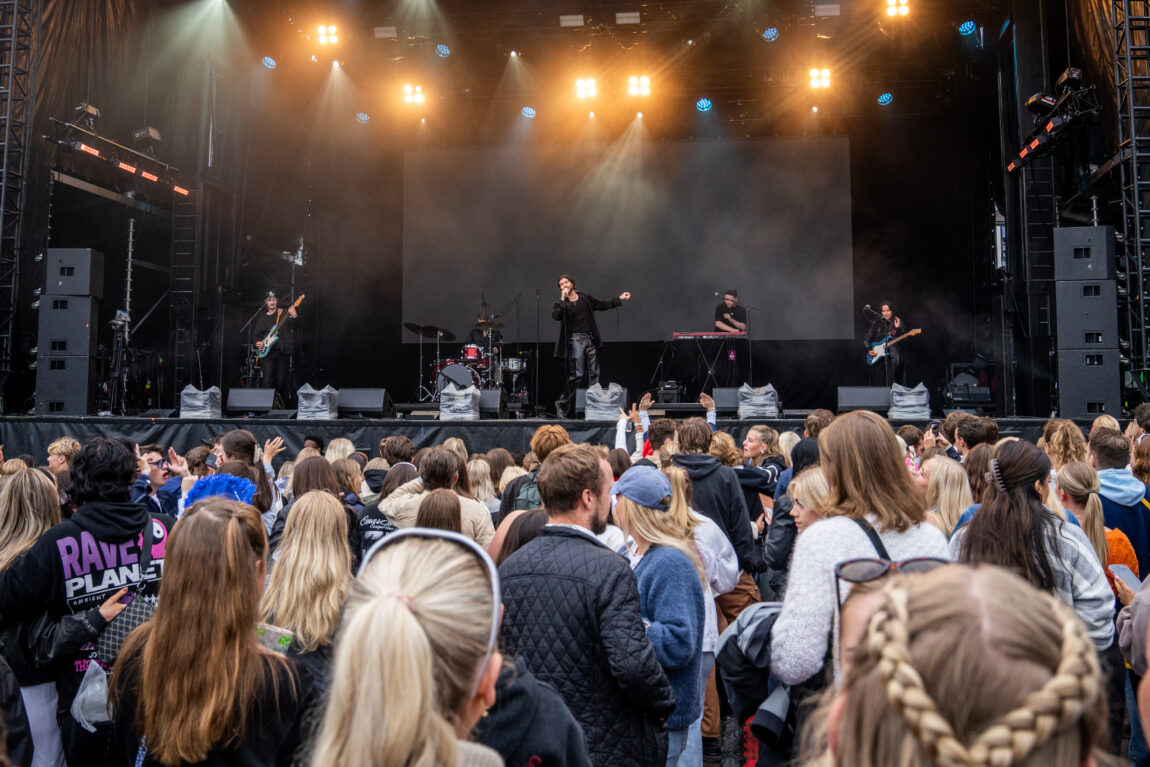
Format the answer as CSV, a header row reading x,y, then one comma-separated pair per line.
x,y
538,363
750,346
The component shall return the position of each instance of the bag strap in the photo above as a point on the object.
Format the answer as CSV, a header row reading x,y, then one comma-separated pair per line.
x,y
145,554
874,539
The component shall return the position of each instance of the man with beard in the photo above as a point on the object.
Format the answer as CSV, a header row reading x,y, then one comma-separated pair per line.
x,y
572,614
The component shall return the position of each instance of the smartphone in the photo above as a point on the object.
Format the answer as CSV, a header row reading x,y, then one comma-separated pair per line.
x,y
934,428
127,598
1128,576
210,461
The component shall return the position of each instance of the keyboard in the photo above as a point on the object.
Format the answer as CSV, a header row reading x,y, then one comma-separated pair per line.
x,y
708,335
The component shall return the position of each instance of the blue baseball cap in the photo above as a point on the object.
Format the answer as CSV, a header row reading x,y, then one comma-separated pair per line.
x,y
645,485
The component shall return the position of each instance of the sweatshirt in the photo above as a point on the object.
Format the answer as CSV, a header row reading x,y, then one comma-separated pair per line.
x,y
1126,507
716,494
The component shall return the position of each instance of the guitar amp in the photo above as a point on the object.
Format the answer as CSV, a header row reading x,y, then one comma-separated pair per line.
x,y
670,392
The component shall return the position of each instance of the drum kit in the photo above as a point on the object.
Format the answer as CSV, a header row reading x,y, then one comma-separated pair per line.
x,y
483,366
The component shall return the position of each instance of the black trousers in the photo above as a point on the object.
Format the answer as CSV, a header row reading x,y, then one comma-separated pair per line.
x,y
274,372
582,355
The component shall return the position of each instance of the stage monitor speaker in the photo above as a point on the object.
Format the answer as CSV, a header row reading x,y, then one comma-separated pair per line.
x,y
492,403
581,402
726,400
65,385
375,402
874,398
1087,313
1089,383
258,401
1084,253
67,325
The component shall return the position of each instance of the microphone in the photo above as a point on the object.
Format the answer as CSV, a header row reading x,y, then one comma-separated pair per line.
x,y
717,294
866,307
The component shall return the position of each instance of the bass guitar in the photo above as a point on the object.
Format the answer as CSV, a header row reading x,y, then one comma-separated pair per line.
x,y
879,347
274,334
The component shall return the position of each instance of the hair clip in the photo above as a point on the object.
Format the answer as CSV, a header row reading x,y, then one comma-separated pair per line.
x,y
995,475
403,598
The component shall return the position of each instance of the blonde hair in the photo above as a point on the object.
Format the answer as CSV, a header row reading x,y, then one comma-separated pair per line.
x,y
811,484
723,448
1105,421
1030,692
1081,483
307,452
349,475
396,703
312,571
1064,442
29,506
11,466
457,446
340,447
479,472
770,439
787,441
510,473
659,528
66,447
948,491
680,509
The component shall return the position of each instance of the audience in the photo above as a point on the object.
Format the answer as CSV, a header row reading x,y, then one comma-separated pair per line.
x,y
439,469
440,509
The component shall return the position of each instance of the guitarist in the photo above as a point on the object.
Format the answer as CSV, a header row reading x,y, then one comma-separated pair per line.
x,y
890,368
275,364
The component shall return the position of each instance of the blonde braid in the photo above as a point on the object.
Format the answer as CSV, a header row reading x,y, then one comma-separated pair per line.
x,y
1060,703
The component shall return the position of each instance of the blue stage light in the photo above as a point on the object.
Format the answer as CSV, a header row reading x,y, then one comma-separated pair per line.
x,y
269,62
363,118
967,28
442,51
770,34
703,105
528,111
885,98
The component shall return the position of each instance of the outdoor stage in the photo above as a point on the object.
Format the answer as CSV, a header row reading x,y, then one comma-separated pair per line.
x,y
33,435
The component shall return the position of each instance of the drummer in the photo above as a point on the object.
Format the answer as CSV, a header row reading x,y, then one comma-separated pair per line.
x,y
485,331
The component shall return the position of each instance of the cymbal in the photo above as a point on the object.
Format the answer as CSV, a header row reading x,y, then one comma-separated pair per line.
x,y
493,324
429,331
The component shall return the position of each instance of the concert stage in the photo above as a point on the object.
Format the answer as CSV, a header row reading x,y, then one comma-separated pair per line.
x,y
33,435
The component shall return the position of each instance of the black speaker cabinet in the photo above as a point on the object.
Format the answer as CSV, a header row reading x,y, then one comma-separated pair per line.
x,y
374,402
1089,383
68,325
65,385
1083,253
74,272
726,399
259,401
875,398
1087,313
492,403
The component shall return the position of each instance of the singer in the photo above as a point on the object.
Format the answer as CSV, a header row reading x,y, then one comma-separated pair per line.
x,y
729,316
891,368
578,344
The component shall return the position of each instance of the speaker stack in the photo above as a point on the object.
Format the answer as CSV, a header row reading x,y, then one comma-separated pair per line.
x,y
68,321
1086,295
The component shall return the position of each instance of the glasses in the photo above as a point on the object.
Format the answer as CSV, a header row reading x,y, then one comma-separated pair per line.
x,y
871,569
474,548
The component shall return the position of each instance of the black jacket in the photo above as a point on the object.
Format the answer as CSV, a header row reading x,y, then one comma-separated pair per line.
x,y
530,724
562,312
780,543
571,612
18,735
716,492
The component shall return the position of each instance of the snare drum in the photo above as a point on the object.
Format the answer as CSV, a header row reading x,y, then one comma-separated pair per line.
x,y
514,364
472,354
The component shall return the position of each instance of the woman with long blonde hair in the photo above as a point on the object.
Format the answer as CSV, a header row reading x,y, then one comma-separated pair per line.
x,y
1078,487
412,700
947,493
340,447
194,684
811,497
310,579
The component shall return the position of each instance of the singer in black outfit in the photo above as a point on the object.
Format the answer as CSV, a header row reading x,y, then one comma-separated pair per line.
x,y
890,368
274,367
578,344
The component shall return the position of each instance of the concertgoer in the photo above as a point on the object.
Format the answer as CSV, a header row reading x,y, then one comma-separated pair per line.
x,y
439,468
887,326
1125,500
523,492
579,340
1078,486
61,452
439,509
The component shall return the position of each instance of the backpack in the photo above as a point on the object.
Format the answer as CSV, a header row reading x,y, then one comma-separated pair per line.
x,y
528,495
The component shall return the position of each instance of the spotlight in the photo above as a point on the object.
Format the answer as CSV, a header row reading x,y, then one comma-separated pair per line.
x,y
897,8
591,115
967,28
86,116
815,109
770,34
363,118
639,115
335,65
639,86
442,51
327,35
528,111
126,167
703,105
413,94
514,54
820,78
585,88
884,99
269,62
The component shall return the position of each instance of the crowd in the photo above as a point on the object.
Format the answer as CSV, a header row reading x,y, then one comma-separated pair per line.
x,y
850,595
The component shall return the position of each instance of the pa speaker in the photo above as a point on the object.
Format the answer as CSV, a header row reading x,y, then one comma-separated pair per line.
x,y
1087,313
375,402
1083,253
74,272
726,399
874,398
65,385
492,403
67,325
1089,383
259,401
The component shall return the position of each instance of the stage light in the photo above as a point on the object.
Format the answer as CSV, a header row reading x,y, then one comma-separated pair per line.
x,y
591,115
585,88
514,54
571,20
180,190
639,115
149,176
770,34
89,149
363,118
884,99
269,62
820,78
423,120
528,111
335,65
126,167
442,51
627,17
413,94
815,109
639,86
897,7
327,35
703,105
967,28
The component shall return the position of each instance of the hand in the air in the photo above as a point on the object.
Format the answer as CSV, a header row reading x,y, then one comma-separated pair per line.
x,y
645,402
707,401
625,296
272,448
177,464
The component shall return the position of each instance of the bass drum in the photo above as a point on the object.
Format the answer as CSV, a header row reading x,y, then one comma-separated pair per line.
x,y
460,375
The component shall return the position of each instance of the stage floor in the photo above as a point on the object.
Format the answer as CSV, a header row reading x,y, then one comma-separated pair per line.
x,y
28,434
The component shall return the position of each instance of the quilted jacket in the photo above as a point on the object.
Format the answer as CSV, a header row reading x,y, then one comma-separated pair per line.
x,y
571,611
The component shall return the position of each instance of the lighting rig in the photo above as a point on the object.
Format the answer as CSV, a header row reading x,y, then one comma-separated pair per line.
x,y
1055,117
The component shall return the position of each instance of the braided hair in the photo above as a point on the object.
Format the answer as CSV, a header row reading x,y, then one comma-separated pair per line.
x,y
963,668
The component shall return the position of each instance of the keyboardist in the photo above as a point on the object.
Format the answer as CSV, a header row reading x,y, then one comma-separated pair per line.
x,y
729,316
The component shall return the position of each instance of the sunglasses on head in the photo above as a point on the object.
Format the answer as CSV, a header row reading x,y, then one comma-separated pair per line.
x,y
871,569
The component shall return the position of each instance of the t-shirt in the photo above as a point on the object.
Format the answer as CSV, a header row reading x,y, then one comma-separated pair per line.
x,y
738,312
580,316
373,525
265,322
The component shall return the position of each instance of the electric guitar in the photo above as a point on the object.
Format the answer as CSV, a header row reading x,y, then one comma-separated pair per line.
x,y
879,347
274,334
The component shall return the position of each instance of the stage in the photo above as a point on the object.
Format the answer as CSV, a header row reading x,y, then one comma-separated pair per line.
x,y
33,435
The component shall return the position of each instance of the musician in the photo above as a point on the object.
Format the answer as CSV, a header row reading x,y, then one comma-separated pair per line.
x,y
729,316
274,367
889,370
482,333
579,340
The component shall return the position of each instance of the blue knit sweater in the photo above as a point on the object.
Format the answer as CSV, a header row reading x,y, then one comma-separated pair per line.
x,y
671,600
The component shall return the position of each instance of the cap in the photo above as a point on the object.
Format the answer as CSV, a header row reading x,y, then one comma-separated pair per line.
x,y
645,485
270,294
